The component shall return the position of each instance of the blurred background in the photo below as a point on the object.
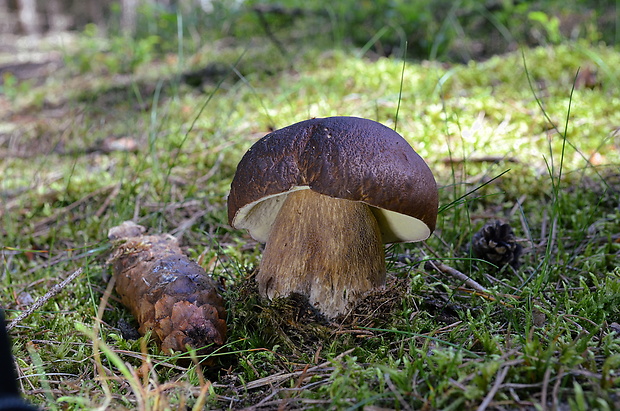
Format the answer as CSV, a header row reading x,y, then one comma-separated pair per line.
x,y
453,30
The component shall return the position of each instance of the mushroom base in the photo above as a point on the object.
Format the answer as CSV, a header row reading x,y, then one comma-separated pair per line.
x,y
325,248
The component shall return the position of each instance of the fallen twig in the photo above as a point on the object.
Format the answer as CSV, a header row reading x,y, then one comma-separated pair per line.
x,y
482,159
543,392
42,226
48,295
396,393
276,378
446,269
108,200
496,386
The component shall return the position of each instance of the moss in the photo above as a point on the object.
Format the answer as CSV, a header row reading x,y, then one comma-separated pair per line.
x,y
424,341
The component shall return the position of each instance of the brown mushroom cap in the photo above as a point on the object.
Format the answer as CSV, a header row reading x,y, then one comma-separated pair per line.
x,y
342,157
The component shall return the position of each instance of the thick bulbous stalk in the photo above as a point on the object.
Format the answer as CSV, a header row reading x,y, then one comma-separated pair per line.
x,y
325,248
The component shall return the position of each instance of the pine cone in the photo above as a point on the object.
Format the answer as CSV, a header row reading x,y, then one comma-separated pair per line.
x,y
167,293
496,243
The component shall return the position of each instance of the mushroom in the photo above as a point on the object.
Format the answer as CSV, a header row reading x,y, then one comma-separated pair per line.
x,y
324,195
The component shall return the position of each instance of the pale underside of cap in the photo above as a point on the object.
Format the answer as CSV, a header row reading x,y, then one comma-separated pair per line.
x,y
258,218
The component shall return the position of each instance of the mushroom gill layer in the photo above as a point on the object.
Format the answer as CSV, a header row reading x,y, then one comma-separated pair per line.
x,y
258,218
325,248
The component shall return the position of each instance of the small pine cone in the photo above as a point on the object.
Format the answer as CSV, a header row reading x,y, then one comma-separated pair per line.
x,y
496,243
167,293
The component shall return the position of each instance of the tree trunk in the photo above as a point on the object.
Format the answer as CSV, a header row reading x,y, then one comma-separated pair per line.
x,y
129,10
28,17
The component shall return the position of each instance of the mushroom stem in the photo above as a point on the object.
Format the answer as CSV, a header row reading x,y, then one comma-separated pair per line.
x,y
325,248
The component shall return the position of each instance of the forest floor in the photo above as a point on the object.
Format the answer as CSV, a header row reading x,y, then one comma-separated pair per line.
x,y
93,134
